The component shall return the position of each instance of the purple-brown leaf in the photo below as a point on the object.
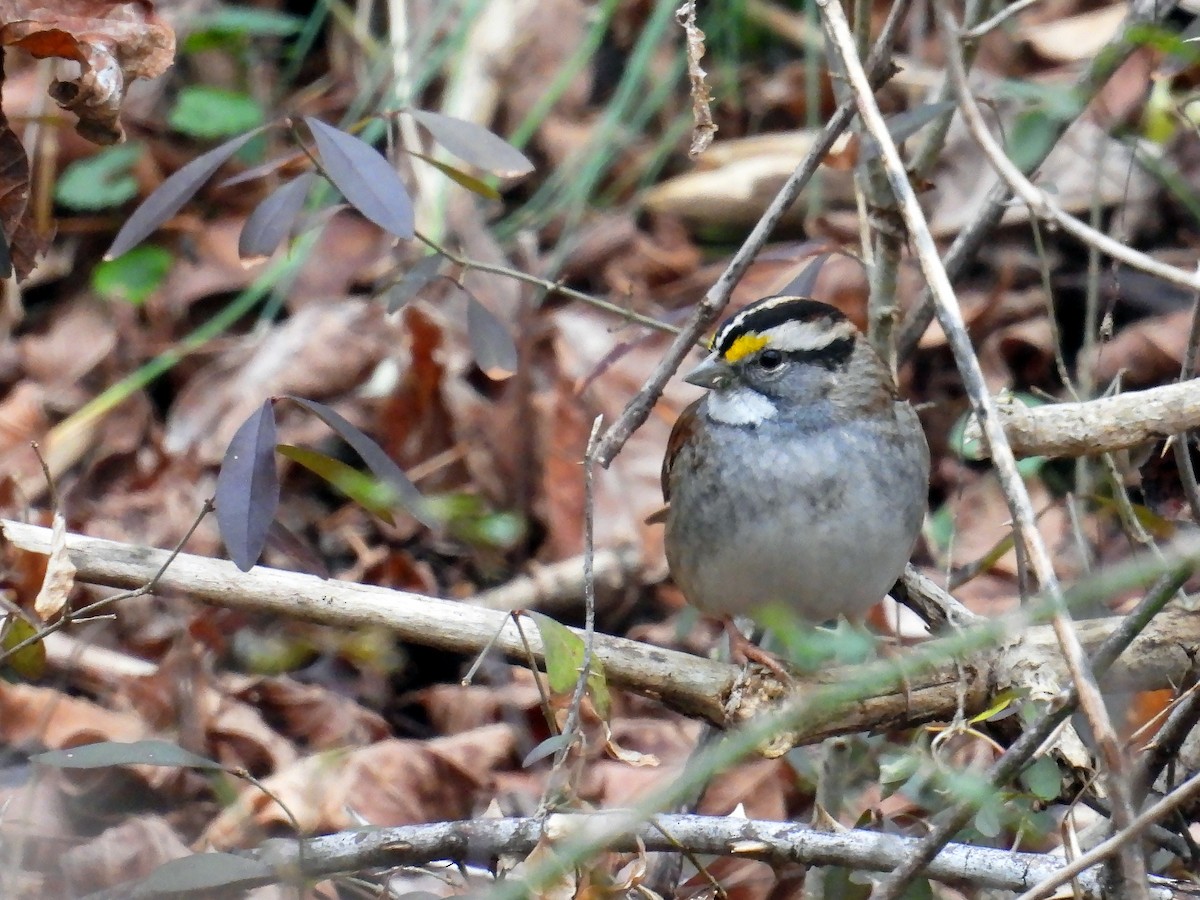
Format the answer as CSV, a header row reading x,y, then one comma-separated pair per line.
x,y
274,218
474,144
248,488
493,347
424,271
170,196
365,178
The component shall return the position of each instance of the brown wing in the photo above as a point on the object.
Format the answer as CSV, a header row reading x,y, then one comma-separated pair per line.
x,y
685,427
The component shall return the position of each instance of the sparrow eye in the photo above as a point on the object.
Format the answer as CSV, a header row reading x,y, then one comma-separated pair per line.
x,y
770,360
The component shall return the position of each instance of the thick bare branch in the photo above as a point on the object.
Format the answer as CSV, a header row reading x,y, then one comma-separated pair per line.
x,y
480,841
1097,426
718,692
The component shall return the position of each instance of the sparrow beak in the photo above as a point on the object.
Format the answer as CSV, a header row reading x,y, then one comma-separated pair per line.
x,y
714,373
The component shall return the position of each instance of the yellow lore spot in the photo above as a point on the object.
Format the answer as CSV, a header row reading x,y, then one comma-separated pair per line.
x,y
744,346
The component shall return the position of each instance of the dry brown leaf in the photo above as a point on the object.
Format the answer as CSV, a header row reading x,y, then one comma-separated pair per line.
x,y
320,718
453,708
393,782
1146,353
703,127
318,353
113,41
1076,38
127,851
60,573
764,788
42,717
25,242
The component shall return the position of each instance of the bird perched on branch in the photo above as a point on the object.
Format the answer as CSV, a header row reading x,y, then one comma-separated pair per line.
x,y
800,479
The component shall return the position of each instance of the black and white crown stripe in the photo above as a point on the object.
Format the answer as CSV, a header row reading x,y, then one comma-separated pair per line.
x,y
793,324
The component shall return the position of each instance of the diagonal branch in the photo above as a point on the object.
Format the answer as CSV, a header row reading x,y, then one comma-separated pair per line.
x,y
950,317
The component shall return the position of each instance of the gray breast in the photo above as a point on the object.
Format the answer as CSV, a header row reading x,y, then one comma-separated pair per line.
x,y
824,524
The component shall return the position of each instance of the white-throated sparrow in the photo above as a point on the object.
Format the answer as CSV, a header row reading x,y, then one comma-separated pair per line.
x,y
801,477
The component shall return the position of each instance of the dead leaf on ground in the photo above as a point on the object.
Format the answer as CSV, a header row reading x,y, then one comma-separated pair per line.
x,y
113,41
25,242
1146,353
129,850
319,353
315,715
392,782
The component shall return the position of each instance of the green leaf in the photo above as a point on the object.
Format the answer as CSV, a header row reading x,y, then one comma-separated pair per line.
x,y
132,276
1158,116
941,526
987,820
239,22
920,889
964,447
1032,135
457,175
1058,101
1002,701
474,144
895,770
1043,778
564,651
373,495
210,112
100,181
28,662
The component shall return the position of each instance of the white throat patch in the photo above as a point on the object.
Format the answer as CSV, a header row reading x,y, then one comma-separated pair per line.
x,y
740,406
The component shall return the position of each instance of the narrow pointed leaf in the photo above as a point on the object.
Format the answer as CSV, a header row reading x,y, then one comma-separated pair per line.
x,y
493,347
248,488
274,218
126,753
365,178
423,271
170,196
474,144
382,465
262,169
474,185
548,747
205,871
372,494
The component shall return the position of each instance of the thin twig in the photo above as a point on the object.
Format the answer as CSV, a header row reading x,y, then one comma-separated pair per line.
x,y
550,287
950,316
73,616
571,724
1184,714
978,31
777,843
1183,441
